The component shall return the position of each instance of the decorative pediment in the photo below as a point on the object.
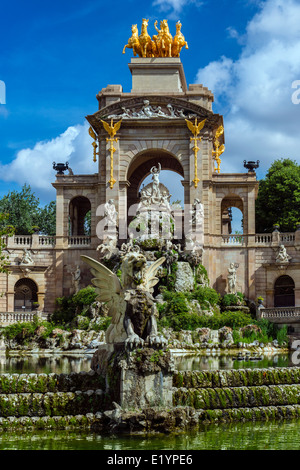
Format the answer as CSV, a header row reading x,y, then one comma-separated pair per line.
x,y
153,108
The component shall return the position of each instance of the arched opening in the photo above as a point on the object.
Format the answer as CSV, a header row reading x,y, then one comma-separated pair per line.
x,y
139,175
79,216
25,294
232,218
284,292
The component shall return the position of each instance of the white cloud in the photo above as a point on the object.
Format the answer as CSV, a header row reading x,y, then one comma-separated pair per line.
x,y
35,166
260,120
176,6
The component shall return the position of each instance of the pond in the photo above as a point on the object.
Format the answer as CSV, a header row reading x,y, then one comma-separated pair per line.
x,y
38,364
68,363
222,361
279,435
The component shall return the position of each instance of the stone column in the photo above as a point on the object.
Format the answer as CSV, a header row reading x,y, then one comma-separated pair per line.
x,y
61,229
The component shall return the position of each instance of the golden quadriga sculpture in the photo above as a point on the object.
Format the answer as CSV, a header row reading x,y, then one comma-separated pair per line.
x,y
163,44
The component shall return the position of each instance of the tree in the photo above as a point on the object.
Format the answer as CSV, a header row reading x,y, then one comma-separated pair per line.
x,y
4,232
25,214
47,219
278,200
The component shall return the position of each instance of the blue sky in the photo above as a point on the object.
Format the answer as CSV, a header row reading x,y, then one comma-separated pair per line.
x,y
55,57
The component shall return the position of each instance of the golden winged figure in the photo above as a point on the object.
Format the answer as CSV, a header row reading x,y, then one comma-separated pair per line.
x,y
111,129
219,132
195,128
92,133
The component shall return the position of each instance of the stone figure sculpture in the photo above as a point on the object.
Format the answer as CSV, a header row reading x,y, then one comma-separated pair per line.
x,y
154,218
110,213
147,111
155,171
282,256
232,278
26,257
76,275
131,305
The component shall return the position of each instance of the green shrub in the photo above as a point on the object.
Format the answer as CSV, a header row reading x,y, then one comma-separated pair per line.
x,y
282,336
21,332
232,299
102,324
84,297
25,331
201,275
268,328
206,296
69,307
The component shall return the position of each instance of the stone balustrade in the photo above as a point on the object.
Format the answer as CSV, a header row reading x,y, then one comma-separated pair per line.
x,y
235,240
287,238
79,241
231,240
8,318
263,239
46,240
22,240
280,313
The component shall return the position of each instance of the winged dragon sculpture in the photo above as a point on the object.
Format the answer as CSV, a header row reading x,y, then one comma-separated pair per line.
x,y
130,301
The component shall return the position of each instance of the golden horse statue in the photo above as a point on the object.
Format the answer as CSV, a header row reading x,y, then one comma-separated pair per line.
x,y
161,45
145,40
157,41
178,41
163,40
133,41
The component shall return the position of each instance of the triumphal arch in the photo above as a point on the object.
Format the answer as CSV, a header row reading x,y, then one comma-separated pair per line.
x,y
163,123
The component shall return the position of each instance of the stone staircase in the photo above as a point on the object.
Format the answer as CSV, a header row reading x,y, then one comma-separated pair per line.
x,y
232,395
51,400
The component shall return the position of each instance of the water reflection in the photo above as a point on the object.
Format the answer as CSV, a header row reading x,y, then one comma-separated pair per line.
x,y
279,435
222,362
66,363
36,364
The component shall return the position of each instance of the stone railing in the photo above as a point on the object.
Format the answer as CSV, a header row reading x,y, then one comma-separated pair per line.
x,y
29,241
233,240
280,313
79,241
287,238
46,240
22,240
8,318
263,239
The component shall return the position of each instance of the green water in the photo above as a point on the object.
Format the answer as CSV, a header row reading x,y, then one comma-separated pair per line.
x,y
280,435
66,363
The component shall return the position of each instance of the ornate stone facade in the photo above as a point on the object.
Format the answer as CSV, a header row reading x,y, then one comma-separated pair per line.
x,y
153,131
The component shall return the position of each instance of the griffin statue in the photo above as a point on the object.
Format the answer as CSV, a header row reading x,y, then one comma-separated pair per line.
x,y
130,301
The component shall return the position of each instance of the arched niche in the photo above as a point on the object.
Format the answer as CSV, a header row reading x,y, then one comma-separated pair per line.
x,y
284,292
78,209
25,293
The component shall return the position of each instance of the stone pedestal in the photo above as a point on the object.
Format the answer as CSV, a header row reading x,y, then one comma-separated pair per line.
x,y
137,379
157,75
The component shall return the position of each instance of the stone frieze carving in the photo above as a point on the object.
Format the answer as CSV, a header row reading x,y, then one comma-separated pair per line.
x,y
147,111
